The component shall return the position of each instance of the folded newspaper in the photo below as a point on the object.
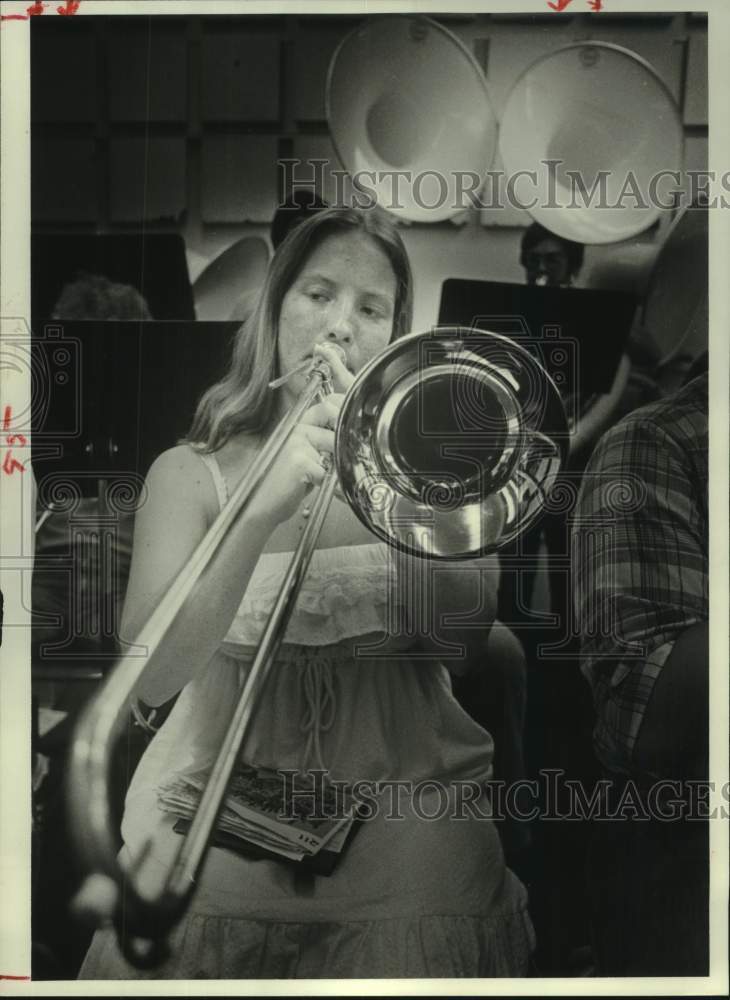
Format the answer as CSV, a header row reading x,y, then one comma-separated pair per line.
x,y
264,814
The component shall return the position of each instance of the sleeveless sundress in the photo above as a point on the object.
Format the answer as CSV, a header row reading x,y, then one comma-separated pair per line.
x,y
423,890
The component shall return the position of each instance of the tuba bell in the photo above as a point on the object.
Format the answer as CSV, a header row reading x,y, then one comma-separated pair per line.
x,y
598,126
404,95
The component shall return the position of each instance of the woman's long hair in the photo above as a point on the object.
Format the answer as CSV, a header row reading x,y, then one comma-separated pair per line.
x,y
242,400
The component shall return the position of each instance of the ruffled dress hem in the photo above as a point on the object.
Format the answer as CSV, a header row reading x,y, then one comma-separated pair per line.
x,y
429,946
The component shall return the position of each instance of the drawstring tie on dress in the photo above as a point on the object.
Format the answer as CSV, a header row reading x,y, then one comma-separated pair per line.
x,y
318,714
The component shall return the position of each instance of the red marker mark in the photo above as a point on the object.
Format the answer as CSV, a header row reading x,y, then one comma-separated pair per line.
x,y
10,464
21,979
37,8
561,5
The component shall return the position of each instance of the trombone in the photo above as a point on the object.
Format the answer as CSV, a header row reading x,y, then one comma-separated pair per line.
x,y
446,446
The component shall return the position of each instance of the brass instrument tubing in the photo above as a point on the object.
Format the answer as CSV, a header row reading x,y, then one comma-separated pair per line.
x,y
104,718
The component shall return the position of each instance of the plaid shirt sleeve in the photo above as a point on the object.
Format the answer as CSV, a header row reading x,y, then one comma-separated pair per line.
x,y
640,565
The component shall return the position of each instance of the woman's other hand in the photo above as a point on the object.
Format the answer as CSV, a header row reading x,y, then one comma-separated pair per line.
x,y
342,377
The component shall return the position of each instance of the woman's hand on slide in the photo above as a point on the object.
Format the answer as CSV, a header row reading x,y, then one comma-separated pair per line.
x,y
301,464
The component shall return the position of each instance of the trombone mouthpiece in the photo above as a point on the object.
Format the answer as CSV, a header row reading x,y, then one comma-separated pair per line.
x,y
305,366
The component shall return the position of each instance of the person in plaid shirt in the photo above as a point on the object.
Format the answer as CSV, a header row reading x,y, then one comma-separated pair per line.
x,y
640,573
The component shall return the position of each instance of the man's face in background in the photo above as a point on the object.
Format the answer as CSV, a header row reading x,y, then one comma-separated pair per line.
x,y
547,263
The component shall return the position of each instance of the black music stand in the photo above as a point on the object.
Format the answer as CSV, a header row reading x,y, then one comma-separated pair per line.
x,y
577,334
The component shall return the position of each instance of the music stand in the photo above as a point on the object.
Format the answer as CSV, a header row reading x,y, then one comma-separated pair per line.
x,y
577,334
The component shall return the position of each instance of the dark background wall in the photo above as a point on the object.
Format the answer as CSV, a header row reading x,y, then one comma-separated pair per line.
x,y
177,124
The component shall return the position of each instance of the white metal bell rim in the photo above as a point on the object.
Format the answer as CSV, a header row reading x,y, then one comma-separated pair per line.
x,y
404,94
592,106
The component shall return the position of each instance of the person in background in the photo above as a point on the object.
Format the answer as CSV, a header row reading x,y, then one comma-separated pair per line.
x,y
88,297
640,550
100,544
553,261
548,259
536,580
93,296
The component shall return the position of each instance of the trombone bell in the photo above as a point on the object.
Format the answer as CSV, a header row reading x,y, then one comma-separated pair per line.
x,y
448,443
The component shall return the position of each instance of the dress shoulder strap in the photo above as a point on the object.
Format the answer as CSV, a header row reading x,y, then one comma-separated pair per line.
x,y
219,482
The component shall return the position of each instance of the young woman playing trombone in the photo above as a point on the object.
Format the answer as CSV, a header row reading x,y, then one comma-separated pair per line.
x,y
412,896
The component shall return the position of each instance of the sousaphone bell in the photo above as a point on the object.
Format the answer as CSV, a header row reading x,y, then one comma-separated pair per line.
x,y
405,95
599,128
